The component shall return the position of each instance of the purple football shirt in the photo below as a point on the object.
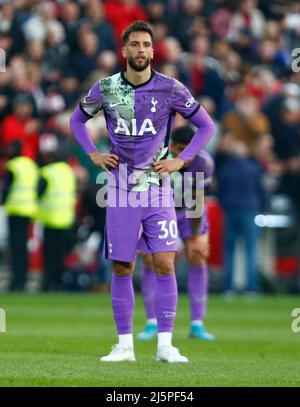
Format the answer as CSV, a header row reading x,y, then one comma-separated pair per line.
x,y
139,118
202,163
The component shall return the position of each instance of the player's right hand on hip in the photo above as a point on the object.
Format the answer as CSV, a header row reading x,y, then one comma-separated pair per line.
x,y
167,166
104,160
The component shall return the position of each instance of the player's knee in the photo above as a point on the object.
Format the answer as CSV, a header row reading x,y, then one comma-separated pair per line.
x,y
122,269
164,267
196,260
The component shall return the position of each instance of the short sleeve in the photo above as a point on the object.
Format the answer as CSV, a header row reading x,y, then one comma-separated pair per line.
x,y
91,103
182,100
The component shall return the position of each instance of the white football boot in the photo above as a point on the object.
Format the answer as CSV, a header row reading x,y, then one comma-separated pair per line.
x,y
170,354
119,354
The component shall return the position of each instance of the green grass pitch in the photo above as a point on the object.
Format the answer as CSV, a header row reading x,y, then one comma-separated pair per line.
x,y
56,340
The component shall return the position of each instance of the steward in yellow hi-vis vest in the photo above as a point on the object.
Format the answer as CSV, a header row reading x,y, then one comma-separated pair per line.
x,y
57,199
21,199
57,204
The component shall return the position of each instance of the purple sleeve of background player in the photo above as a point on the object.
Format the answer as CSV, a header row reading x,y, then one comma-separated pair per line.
x,y
88,107
206,129
208,168
183,102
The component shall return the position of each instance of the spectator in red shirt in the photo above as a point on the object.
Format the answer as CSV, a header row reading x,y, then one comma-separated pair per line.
x,y
21,126
121,13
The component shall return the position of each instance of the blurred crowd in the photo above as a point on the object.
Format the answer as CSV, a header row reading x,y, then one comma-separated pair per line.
x,y
238,58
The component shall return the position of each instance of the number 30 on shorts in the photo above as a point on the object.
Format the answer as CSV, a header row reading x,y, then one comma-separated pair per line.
x,y
168,228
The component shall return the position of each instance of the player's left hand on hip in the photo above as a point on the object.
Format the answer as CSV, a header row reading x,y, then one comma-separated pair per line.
x,y
168,166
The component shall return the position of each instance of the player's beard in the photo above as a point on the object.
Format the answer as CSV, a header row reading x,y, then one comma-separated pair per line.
x,y
138,67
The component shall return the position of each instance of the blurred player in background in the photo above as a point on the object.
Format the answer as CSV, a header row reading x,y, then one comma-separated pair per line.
x,y
194,233
140,106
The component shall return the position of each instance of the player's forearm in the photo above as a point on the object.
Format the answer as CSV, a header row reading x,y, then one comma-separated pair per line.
x,y
204,133
77,123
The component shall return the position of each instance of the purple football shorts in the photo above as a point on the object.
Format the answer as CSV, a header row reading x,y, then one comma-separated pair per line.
x,y
146,216
185,224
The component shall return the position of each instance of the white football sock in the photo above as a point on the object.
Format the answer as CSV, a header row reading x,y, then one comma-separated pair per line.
x,y
126,340
197,323
152,321
164,339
